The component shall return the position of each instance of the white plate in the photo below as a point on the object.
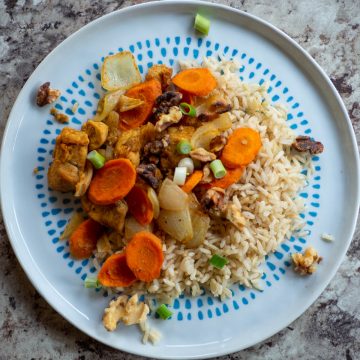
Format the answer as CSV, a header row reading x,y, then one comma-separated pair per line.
x,y
34,216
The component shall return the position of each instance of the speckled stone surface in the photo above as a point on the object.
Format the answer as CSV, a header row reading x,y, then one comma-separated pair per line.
x,y
328,30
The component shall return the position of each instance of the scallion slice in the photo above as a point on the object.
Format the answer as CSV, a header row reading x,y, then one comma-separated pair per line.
x,y
180,175
163,312
183,147
187,109
92,283
96,159
202,24
218,169
218,261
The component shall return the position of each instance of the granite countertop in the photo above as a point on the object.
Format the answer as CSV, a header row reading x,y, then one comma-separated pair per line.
x,y
328,30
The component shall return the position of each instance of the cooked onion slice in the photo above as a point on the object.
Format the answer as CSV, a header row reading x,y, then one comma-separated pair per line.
x,y
177,224
107,104
119,71
171,197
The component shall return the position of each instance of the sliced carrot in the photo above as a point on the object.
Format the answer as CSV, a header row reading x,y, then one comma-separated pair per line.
x,y
140,206
112,182
84,239
195,81
144,256
242,147
192,181
232,176
147,91
115,272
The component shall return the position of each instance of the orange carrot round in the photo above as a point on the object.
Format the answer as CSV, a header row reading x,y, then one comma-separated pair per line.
x,y
195,81
147,91
144,256
242,147
84,239
192,181
140,206
112,182
115,272
232,176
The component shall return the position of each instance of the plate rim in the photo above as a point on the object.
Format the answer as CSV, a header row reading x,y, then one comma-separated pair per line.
x,y
6,210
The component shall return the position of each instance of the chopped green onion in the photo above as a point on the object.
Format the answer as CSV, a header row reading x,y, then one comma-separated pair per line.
x,y
202,24
96,159
183,147
218,169
187,109
180,175
188,163
163,312
92,283
218,261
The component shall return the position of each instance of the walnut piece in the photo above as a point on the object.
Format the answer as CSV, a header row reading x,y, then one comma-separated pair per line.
x,y
305,143
150,173
214,202
61,118
233,214
46,95
218,143
166,120
207,175
305,264
165,102
202,155
129,311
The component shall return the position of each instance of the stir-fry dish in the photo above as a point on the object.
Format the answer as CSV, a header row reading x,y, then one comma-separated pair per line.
x,y
187,180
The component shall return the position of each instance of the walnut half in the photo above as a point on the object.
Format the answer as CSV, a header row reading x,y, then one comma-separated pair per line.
x,y
46,95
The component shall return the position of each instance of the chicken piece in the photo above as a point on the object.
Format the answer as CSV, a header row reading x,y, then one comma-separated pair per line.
x,y
131,142
305,264
112,216
63,176
84,180
69,160
112,121
170,157
161,73
129,311
97,132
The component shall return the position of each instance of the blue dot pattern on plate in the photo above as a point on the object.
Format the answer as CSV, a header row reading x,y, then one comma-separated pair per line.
x,y
57,208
